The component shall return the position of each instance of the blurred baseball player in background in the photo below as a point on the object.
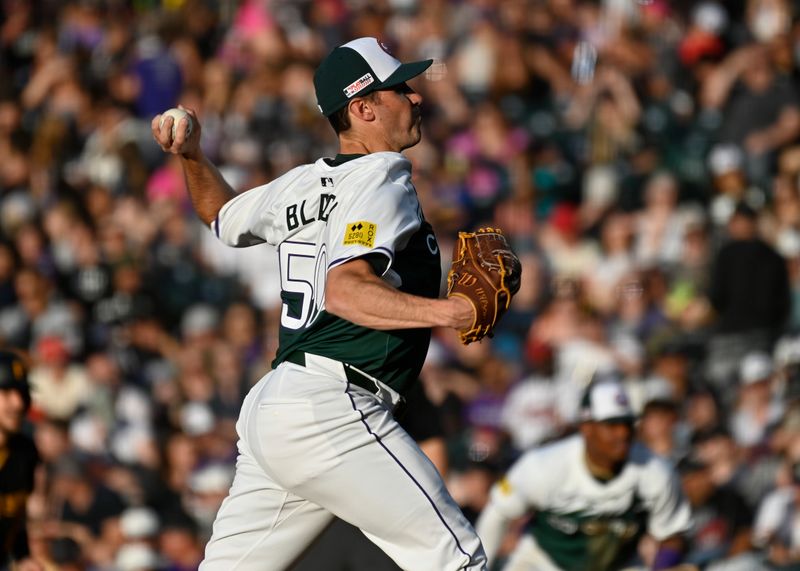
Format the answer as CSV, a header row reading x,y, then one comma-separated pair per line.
x,y
592,496
360,278
18,460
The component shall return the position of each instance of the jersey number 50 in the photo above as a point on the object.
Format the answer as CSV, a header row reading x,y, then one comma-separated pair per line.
x,y
303,272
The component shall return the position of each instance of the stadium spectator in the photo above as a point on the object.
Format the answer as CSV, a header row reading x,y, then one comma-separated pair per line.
x,y
776,526
750,292
758,408
722,519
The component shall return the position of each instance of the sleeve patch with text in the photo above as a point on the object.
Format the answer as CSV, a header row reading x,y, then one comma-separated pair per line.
x,y
360,233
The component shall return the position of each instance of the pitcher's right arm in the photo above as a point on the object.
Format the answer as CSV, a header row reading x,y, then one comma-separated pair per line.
x,y
207,189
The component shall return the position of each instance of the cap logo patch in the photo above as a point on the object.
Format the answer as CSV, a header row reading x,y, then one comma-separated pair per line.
x,y
360,233
622,400
358,85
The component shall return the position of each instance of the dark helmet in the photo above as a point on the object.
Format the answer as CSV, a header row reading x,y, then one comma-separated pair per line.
x,y
14,375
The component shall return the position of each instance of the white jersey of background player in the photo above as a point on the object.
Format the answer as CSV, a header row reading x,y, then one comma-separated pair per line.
x,y
584,516
360,279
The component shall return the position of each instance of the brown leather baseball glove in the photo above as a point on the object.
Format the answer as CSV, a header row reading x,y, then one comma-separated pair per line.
x,y
485,272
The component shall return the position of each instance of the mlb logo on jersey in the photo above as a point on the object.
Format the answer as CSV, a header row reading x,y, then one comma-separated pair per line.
x,y
326,181
358,85
360,233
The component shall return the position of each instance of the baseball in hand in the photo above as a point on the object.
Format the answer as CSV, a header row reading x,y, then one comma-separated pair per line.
x,y
177,115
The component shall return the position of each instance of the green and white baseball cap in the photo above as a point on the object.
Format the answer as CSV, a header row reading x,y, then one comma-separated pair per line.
x,y
358,68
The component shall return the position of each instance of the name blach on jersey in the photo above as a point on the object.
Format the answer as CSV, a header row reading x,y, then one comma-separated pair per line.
x,y
299,215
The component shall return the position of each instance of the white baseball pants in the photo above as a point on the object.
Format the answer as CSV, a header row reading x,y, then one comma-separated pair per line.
x,y
312,445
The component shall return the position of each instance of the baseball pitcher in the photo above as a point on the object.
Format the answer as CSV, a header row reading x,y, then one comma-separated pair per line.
x,y
360,275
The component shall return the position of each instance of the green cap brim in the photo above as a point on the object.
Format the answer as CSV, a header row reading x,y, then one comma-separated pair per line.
x,y
405,72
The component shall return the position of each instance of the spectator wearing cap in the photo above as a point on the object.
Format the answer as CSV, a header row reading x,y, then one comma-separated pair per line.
x,y
137,557
59,386
18,460
139,524
703,36
749,292
569,253
729,179
758,409
208,486
598,488
777,525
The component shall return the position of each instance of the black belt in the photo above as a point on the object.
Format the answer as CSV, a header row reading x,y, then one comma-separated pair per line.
x,y
353,375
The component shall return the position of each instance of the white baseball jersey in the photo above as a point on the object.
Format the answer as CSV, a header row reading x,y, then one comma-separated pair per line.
x,y
319,216
581,523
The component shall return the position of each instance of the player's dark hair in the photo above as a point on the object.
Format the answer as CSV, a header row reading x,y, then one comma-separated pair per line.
x,y
340,119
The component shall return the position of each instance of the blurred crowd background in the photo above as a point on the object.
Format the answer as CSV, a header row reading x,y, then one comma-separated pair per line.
x,y
642,156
